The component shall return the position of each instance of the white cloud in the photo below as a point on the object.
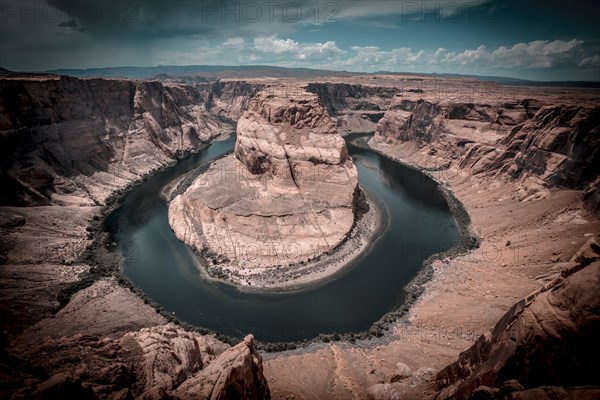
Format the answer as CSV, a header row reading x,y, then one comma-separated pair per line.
x,y
234,42
590,62
373,58
537,54
276,46
297,51
532,56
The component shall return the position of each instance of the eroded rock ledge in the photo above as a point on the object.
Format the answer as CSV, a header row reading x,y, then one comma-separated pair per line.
x,y
287,194
160,362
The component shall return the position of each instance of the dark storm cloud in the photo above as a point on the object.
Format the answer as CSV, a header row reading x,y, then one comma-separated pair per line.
x,y
70,24
522,38
129,19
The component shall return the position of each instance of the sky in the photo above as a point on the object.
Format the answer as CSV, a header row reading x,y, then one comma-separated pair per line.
x,y
537,40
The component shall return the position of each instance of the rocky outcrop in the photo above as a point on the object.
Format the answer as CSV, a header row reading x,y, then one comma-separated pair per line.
x,y
546,339
229,99
338,97
591,196
236,374
423,121
542,146
411,121
560,144
286,195
171,355
154,363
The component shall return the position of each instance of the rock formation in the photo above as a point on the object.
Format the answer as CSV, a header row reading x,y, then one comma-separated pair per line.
x,y
355,108
69,141
286,195
560,145
542,146
547,339
161,362
68,144
236,374
543,346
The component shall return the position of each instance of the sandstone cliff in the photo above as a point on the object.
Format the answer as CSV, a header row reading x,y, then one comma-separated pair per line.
x,y
286,195
543,346
69,141
541,146
229,99
560,145
546,340
68,144
161,362
355,108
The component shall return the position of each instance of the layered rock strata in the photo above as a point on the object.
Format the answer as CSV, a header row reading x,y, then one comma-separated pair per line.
x,y
540,146
68,141
547,339
285,196
159,362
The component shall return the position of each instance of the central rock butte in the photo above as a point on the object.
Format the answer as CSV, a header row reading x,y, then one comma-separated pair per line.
x,y
286,195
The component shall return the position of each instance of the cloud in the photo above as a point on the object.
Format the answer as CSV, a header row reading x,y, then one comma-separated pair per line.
x,y
70,24
533,56
297,51
219,19
540,54
590,62
372,58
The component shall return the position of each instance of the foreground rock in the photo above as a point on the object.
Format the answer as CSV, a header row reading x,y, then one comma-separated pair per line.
x,y
154,363
287,195
546,339
236,373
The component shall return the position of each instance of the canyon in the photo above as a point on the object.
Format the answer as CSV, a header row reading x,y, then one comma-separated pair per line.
x,y
514,315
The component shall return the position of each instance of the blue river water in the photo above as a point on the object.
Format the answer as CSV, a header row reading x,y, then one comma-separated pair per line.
x,y
419,224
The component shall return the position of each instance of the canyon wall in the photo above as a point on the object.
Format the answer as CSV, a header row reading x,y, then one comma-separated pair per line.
x,y
67,141
544,343
542,146
285,196
355,108
67,144
542,347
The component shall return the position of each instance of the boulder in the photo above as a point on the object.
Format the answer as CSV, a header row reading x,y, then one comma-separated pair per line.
x,y
236,374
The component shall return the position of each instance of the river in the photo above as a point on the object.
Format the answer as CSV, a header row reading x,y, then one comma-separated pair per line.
x,y
419,224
